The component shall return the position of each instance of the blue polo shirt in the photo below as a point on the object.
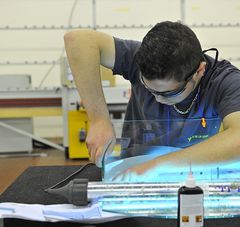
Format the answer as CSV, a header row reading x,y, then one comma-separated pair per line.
x,y
219,95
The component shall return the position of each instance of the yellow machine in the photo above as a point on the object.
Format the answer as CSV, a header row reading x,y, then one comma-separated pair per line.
x,y
78,126
77,133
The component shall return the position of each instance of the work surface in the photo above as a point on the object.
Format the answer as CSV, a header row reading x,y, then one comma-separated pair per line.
x,y
29,188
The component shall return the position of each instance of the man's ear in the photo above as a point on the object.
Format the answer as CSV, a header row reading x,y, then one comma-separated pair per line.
x,y
201,69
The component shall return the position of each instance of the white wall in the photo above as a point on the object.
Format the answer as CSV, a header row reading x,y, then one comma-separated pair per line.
x,y
19,45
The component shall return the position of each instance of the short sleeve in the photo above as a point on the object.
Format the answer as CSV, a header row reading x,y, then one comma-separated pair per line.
x,y
125,58
229,94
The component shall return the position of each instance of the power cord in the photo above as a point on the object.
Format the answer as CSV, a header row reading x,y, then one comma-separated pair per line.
x,y
70,177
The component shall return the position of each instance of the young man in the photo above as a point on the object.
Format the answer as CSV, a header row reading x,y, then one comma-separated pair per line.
x,y
171,78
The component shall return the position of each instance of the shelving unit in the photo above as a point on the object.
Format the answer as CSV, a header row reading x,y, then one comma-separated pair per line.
x,y
95,25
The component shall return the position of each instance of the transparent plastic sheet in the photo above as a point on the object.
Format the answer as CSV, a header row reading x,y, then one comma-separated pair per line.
x,y
141,141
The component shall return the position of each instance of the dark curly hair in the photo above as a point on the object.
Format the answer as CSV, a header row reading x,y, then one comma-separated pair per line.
x,y
170,50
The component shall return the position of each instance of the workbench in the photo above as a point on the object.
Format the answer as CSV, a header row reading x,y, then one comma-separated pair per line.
x,y
29,188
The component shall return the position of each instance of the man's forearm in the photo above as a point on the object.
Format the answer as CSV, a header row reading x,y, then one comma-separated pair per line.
x,y
222,147
84,59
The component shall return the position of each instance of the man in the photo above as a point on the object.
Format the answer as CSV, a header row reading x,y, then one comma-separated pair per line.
x,y
171,78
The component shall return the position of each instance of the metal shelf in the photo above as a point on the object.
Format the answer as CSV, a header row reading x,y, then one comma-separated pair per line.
x,y
43,27
29,63
64,27
124,26
141,26
35,62
220,25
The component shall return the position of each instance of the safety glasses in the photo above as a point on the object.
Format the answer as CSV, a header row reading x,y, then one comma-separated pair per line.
x,y
173,93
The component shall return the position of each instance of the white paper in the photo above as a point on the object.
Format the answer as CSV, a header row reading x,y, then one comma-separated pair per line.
x,y
61,212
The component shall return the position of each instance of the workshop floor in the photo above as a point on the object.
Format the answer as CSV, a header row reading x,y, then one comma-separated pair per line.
x,y
12,167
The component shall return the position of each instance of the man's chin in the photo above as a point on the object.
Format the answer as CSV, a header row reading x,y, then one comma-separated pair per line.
x,y
168,103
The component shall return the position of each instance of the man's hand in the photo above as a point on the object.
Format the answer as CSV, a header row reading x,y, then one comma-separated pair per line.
x,y
145,172
99,134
